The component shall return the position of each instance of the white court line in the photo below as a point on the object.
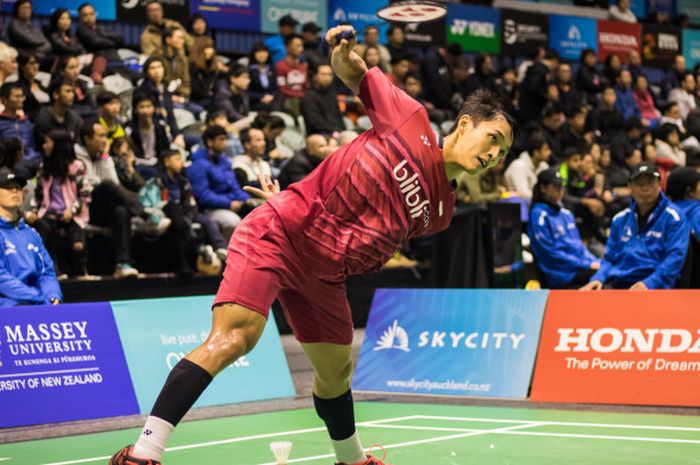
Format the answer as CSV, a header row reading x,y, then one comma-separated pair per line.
x,y
2,459
56,372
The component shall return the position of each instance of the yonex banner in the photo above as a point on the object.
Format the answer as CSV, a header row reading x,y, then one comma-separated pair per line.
x,y
304,11
358,13
616,38
691,47
523,32
60,364
135,10
617,347
238,15
571,35
660,44
475,28
157,333
458,342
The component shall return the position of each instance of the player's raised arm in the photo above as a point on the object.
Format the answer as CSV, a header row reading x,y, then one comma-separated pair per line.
x,y
347,64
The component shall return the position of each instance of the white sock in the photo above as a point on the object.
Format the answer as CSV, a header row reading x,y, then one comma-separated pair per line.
x,y
349,451
154,437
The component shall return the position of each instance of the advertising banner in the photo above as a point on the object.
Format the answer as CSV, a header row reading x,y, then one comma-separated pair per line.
x,y
237,15
428,34
570,35
157,333
523,32
304,11
616,38
135,10
358,14
691,47
475,28
660,44
616,347
457,342
62,363
662,6
691,8
105,9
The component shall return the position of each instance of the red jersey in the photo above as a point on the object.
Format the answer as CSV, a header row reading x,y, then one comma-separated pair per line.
x,y
359,206
292,78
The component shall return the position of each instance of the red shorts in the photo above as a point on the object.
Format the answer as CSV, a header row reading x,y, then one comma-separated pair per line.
x,y
262,265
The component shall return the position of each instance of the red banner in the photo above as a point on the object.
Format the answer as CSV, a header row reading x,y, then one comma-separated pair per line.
x,y
615,38
620,347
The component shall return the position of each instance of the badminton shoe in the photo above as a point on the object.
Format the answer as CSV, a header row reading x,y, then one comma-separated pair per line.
x,y
124,457
371,459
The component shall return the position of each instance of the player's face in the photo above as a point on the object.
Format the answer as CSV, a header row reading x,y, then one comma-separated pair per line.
x,y
480,147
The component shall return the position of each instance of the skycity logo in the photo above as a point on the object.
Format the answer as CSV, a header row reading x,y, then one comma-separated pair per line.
x,y
629,340
411,188
394,337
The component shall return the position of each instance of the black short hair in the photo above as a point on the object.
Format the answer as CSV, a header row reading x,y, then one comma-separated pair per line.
x,y
392,28
84,5
141,97
212,115
318,66
165,154
212,132
17,4
572,152
412,75
585,53
551,54
244,136
56,84
396,58
7,88
168,32
88,128
288,40
105,97
535,141
484,105
237,70
550,109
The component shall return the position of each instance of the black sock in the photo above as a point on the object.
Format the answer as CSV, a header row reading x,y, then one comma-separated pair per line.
x,y
185,383
338,414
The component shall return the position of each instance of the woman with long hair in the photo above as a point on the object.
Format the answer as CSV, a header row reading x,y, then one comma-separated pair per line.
x,y
263,82
34,93
62,41
205,70
68,67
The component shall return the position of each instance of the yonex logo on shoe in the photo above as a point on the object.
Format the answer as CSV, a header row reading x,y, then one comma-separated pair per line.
x,y
147,432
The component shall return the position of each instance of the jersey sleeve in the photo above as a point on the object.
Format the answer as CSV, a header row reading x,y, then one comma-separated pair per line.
x,y
387,106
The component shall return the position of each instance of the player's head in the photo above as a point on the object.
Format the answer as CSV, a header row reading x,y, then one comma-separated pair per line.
x,y
482,134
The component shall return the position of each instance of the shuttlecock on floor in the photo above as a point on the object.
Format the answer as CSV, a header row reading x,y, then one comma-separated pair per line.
x,y
281,450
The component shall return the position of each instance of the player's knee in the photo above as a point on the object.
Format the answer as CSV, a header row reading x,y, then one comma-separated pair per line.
x,y
233,343
334,380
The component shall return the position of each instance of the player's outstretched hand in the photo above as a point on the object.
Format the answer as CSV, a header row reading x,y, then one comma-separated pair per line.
x,y
269,188
347,64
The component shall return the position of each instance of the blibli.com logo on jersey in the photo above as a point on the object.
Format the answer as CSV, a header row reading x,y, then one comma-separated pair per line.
x,y
411,188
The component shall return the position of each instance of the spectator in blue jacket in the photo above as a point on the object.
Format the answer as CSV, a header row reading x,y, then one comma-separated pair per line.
x,y
14,125
561,255
216,190
27,274
287,26
625,103
683,188
648,241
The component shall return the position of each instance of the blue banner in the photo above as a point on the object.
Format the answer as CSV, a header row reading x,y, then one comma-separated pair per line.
x,y
62,363
691,8
359,14
570,35
662,6
106,9
238,15
691,47
304,11
157,333
457,342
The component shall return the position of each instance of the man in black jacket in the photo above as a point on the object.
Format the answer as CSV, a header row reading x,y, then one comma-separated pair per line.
x,y
319,106
533,90
304,161
98,41
60,115
231,95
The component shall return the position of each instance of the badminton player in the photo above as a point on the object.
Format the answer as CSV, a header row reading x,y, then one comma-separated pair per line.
x,y
349,216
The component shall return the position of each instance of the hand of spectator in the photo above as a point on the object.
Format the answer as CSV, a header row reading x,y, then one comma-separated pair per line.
x,y
646,123
589,137
592,286
236,205
67,216
347,64
595,266
639,286
179,141
269,188
179,99
608,197
267,99
595,206
276,154
30,217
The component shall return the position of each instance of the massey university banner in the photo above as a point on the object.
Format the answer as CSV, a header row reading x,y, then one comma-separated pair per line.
x,y
303,11
571,35
475,28
691,47
60,364
157,333
238,15
459,342
617,347
616,38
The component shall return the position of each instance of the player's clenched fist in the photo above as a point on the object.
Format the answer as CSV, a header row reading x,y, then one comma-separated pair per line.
x,y
347,64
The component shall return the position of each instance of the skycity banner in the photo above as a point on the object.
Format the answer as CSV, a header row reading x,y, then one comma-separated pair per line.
x,y
304,11
616,38
62,363
457,342
691,47
571,35
475,28
238,15
523,32
158,333
660,44
615,347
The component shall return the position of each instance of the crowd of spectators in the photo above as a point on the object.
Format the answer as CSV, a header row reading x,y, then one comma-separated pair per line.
x,y
97,161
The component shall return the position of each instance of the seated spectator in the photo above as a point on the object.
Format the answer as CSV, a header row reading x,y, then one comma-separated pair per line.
x,y
625,102
606,120
314,53
60,114
155,86
27,275
684,95
250,166
533,90
214,184
234,146
62,41
35,95
370,38
396,39
23,34
67,68
152,35
61,204
482,77
109,204
231,94
319,106
123,153
205,71
569,98
372,58
668,145
589,209
102,43
11,157
588,79
623,142
674,75
611,70
109,107
485,186
574,134
13,123
304,161
414,88
292,75
286,26
645,101
263,81
622,12
648,241
562,257
521,175
634,64
552,120
272,126
176,65
400,66
618,176
149,133
507,89
8,61
198,28
683,189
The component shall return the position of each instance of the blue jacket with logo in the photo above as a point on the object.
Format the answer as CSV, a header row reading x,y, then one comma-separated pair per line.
x,y
654,255
691,209
213,181
557,245
27,275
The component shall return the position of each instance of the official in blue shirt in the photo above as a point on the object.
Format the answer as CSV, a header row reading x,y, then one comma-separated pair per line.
x,y
27,275
648,241
683,188
561,255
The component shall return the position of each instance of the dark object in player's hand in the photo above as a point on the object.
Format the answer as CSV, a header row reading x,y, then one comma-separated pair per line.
x,y
347,35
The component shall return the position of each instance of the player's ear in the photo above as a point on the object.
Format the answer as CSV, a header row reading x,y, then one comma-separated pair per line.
x,y
465,123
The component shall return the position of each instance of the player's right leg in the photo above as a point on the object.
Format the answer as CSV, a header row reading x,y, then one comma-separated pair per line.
x,y
235,331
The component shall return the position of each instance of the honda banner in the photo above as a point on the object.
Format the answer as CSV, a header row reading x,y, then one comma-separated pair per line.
x,y
523,32
660,44
616,347
457,342
475,28
571,35
616,38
